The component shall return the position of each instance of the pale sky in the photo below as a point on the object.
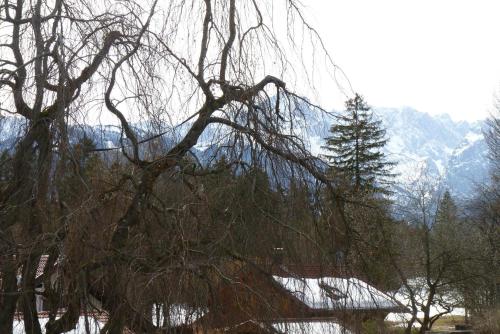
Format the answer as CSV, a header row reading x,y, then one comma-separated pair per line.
x,y
438,56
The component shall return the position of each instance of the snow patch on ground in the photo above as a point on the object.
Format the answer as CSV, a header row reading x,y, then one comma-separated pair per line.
x,y
316,327
178,315
94,325
421,294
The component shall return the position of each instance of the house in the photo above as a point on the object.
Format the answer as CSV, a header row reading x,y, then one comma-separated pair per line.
x,y
303,300
260,298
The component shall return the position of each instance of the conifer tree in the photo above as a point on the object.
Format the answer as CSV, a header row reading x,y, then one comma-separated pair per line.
x,y
355,144
447,209
5,167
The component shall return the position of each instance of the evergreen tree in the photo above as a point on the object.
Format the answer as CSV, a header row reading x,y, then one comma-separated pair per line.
x,y
5,167
447,209
355,144
76,168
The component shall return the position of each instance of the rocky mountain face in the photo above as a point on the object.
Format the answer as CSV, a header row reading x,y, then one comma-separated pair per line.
x,y
452,153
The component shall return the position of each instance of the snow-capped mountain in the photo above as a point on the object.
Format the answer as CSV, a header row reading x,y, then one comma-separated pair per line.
x,y
453,153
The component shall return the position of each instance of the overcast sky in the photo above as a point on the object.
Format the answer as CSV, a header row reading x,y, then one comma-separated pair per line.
x,y
438,56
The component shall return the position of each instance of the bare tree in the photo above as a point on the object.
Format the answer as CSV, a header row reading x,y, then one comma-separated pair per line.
x,y
182,69
429,253
492,137
482,296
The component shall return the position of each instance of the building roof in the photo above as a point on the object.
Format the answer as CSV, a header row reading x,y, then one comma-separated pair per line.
x,y
333,293
309,270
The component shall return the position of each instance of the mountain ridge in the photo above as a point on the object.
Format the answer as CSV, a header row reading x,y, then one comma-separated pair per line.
x,y
452,152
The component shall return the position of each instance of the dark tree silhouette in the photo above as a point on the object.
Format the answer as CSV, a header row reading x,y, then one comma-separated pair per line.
x,y
355,144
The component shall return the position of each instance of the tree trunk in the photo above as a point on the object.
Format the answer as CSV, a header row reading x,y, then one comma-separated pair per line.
x,y
28,297
8,295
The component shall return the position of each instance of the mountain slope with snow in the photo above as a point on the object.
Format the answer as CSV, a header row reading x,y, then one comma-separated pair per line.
x,y
453,153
